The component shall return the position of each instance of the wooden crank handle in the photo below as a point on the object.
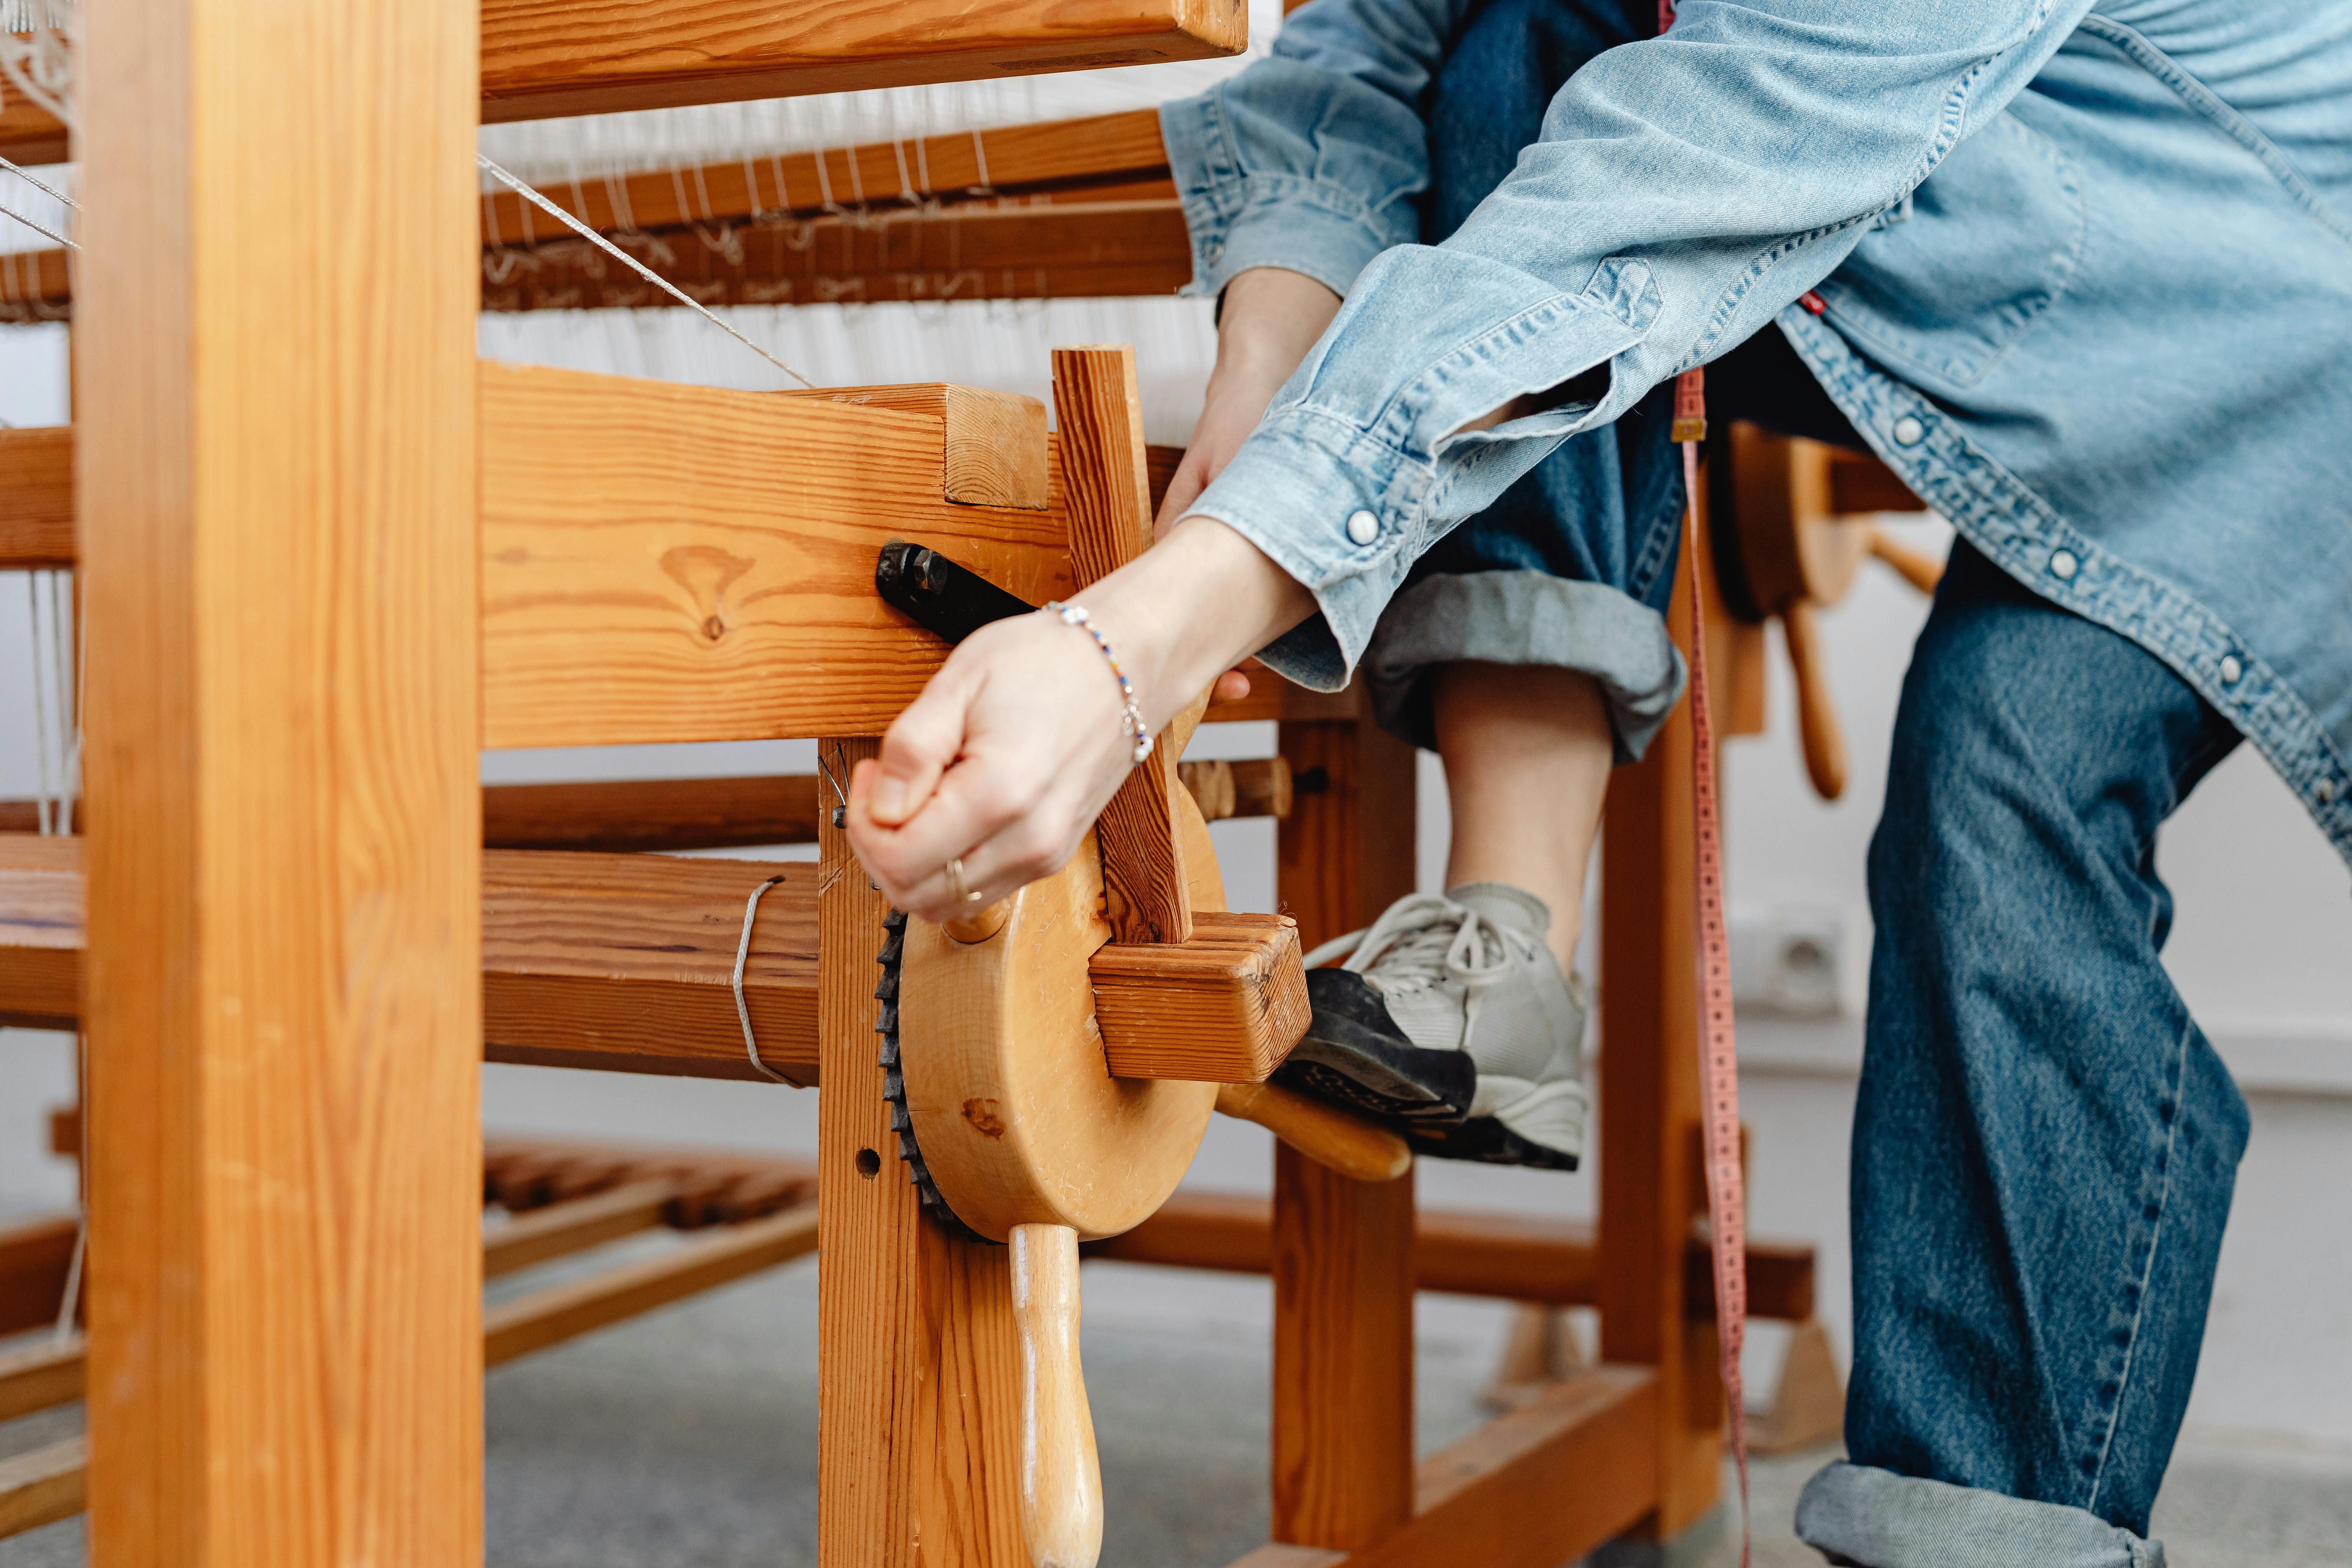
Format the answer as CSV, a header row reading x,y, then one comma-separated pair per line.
x,y
1061,1480
1817,719
1920,569
1335,1138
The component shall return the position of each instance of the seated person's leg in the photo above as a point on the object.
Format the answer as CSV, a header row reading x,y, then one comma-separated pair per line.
x,y
2044,1143
1529,651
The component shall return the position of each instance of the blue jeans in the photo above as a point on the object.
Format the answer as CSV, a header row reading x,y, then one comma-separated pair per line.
x,y
2045,1144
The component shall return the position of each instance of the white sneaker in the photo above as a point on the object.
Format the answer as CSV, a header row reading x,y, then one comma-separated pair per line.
x,y
1451,1017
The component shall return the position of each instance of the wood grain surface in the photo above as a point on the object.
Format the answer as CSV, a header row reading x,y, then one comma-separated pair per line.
x,y
992,450
551,58
1343,1357
42,1486
30,134
1061,1477
517,1326
1224,1007
652,815
35,1254
1016,1111
666,562
277,487
1331,1135
41,931
1055,155
1106,498
37,499
1074,246
918,1450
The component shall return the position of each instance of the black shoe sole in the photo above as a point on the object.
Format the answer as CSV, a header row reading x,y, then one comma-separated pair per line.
x,y
1484,1139
1354,1054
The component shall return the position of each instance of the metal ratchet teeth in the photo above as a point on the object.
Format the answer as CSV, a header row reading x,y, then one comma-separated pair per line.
x,y
894,1083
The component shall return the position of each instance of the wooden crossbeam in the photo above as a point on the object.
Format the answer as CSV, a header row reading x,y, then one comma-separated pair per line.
x,y
562,1229
666,562
658,816
35,1255
48,1484
1509,1257
546,58
43,1487
1058,249
627,961
37,501
1058,155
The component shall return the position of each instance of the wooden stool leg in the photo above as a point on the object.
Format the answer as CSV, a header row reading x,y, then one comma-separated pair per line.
x,y
1342,1355
919,1368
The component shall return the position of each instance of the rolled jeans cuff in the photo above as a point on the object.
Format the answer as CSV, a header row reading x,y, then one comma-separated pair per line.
x,y
1525,617
1876,1518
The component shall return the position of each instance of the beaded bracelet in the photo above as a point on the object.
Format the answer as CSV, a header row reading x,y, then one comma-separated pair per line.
x,y
1130,717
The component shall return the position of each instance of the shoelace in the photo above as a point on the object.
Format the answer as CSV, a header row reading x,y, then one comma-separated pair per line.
x,y
1428,939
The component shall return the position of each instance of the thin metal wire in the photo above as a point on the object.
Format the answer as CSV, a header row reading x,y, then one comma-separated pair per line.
x,y
39,185
743,952
648,273
42,229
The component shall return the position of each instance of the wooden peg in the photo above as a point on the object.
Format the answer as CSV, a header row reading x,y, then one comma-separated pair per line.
x,y
1332,1138
1817,719
1917,568
1061,1480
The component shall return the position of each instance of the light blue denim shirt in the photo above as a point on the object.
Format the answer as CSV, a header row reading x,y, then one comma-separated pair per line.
x,y
2087,280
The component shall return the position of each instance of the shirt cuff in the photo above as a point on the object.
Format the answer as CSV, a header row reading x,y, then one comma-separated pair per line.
x,y
1237,219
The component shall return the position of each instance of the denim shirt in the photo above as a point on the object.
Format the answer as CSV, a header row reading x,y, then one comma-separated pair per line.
x,y
2083,279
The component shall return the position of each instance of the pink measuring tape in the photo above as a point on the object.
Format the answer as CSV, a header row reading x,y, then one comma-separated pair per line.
x,y
1718,1056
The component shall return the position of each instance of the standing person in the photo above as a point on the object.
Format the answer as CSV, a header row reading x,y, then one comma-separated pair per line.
x,y
2084,280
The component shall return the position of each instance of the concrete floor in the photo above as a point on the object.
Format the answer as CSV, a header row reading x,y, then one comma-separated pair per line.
x,y
687,1439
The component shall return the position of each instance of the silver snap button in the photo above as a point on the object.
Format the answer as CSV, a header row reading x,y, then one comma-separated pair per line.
x,y
1362,527
2062,564
2230,670
2325,793
1909,431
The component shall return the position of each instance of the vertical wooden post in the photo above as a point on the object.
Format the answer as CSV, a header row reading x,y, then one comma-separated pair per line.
x,y
919,1372
1343,1354
1650,1108
275,341
1106,493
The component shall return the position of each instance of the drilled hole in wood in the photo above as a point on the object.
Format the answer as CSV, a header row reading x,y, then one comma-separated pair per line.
x,y
869,1164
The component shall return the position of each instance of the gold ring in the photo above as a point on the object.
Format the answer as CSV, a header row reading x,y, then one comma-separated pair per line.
x,y
963,894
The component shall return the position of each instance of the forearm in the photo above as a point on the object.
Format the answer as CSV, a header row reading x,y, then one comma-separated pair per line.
x,y
1190,608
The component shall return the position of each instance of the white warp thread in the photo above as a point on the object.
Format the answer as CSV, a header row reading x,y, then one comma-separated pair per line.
x,y
648,273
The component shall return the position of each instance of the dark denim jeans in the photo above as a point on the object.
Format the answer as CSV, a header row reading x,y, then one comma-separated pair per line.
x,y
2045,1144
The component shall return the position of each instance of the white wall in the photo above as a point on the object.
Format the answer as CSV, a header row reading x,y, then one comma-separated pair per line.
x,y
2261,947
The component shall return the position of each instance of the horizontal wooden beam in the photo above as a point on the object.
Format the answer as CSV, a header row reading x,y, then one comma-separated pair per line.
x,y
35,1258
40,1377
541,59
559,1230
1056,155
560,1312
35,285
48,1485
546,58
37,497
646,815
1043,250
43,1487
621,961
664,562
627,963
1511,1256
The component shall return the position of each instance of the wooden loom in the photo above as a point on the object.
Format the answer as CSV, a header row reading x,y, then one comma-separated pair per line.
x,y
651,563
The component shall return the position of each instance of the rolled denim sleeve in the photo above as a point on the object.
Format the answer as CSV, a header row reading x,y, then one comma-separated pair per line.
x,y
1684,190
